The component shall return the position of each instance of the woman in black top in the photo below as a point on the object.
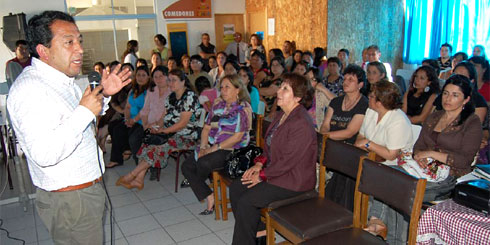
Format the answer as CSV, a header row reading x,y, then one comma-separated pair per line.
x,y
343,121
423,90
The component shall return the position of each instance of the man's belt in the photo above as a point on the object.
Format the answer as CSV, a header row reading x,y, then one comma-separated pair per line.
x,y
80,186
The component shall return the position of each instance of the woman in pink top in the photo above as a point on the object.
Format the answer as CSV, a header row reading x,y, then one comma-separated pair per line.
x,y
154,108
207,94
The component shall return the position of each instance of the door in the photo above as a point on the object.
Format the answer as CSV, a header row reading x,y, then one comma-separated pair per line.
x,y
222,21
257,22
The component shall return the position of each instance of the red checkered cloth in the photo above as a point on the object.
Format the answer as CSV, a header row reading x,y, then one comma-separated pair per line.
x,y
451,223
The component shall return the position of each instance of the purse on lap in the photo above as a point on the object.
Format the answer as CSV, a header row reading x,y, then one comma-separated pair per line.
x,y
155,139
239,160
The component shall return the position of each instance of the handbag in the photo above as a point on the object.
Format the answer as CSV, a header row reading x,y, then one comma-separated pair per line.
x,y
239,160
155,139
434,172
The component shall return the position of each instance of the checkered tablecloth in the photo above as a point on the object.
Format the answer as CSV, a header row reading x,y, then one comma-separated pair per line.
x,y
451,223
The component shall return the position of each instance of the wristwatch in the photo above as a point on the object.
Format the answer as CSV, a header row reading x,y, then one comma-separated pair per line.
x,y
367,144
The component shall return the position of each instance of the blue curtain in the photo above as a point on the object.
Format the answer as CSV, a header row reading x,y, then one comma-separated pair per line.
x,y
430,23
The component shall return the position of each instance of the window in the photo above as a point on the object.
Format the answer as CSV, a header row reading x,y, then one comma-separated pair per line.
x,y
106,26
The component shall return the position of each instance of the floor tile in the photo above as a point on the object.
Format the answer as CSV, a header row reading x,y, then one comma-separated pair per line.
x,y
209,239
107,232
138,225
162,204
121,241
124,199
19,223
186,196
130,211
116,190
226,235
157,237
187,230
151,191
173,216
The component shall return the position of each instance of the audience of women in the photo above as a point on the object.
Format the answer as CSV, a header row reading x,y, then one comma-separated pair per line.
x,y
226,128
219,72
129,55
450,136
423,90
344,118
160,43
129,133
179,123
333,81
185,62
286,169
197,64
247,77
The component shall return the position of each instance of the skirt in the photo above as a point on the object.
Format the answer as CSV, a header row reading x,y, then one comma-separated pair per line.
x,y
157,155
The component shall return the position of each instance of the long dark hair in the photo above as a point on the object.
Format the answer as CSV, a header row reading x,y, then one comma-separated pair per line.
x,y
431,76
262,57
137,89
250,76
470,68
464,85
484,65
131,46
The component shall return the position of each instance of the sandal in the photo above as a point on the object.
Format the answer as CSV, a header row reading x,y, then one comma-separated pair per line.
x,y
207,212
185,183
113,164
126,184
376,227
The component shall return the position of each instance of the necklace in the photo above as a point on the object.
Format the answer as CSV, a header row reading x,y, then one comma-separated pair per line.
x,y
348,106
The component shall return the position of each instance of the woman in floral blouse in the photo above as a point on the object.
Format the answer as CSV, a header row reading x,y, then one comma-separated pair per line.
x,y
227,128
180,123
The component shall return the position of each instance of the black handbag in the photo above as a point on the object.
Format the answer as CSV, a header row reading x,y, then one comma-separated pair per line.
x,y
239,160
155,139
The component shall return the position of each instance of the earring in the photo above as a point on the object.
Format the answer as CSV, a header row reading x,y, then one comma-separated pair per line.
x,y
427,89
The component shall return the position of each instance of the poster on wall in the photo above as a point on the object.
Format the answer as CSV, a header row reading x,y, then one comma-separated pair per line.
x,y
228,32
188,9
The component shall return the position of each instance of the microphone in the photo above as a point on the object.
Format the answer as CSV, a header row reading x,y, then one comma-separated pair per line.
x,y
93,79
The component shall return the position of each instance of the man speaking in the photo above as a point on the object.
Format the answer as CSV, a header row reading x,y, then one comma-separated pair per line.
x,y
52,119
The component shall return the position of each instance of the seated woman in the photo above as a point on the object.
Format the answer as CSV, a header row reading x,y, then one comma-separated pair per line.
x,y
185,64
154,108
247,77
322,97
130,131
258,64
333,81
423,90
387,131
255,44
268,88
343,121
178,122
287,167
218,73
450,136
297,55
227,128
206,93
197,64
231,68
375,72
468,70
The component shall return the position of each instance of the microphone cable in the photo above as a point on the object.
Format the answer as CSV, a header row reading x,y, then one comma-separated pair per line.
x,y
111,211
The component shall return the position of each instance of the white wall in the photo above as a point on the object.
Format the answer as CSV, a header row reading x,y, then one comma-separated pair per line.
x,y
30,8
196,27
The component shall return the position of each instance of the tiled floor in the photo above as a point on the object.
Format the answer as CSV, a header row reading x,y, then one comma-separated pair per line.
x,y
154,215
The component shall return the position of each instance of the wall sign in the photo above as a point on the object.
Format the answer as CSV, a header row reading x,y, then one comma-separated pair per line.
x,y
188,9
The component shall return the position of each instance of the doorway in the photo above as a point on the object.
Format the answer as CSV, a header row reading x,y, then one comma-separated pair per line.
x,y
222,21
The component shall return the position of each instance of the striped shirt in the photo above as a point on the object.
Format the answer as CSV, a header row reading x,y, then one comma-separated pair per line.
x,y
53,130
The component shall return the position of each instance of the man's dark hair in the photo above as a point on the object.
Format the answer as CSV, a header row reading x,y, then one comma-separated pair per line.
x,y
39,29
20,42
346,51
